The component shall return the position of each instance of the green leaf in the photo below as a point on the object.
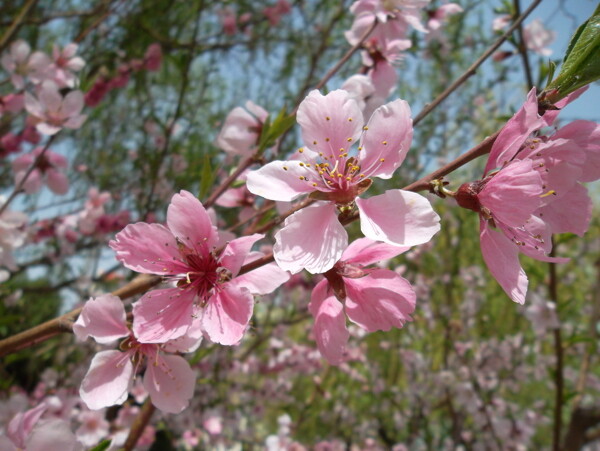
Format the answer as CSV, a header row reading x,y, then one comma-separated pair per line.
x,y
103,445
581,64
206,177
274,130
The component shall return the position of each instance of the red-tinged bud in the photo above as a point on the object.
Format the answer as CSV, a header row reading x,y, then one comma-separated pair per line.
x,y
466,196
336,282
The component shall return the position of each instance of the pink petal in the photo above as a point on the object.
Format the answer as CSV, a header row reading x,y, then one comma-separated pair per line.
x,y
75,122
190,223
550,115
586,136
188,342
33,106
570,214
379,301
102,318
501,256
170,384
280,180
311,238
236,251
57,182
263,280
22,424
33,183
515,132
388,138
49,97
149,249
227,314
330,323
53,435
328,122
513,193
107,381
72,104
402,218
366,251
259,112
47,129
163,315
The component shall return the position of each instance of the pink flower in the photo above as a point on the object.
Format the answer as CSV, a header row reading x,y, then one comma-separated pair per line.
x,y
99,89
501,22
441,14
313,237
374,299
228,21
537,37
275,12
168,379
389,39
26,431
207,283
52,111
242,129
65,64
49,170
12,236
153,57
534,193
20,63
93,427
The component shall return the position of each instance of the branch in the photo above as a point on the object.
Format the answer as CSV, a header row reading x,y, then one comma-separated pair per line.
x,y
139,424
64,323
522,49
14,26
473,68
19,186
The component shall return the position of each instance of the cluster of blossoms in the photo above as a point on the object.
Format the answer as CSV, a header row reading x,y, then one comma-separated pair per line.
x,y
104,84
532,189
230,20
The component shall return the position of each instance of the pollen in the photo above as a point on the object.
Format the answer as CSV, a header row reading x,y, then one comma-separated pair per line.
x,y
326,140
349,140
327,118
362,175
315,143
302,177
285,168
365,128
384,143
314,184
342,150
349,119
348,178
301,164
300,150
382,159
359,147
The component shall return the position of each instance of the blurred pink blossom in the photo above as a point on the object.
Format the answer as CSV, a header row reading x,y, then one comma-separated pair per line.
x,y
49,170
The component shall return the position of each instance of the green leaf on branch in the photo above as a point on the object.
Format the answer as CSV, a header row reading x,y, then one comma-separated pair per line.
x,y
272,131
103,445
206,177
581,65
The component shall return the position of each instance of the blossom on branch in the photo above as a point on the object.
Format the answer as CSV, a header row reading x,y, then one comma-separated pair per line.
x,y
374,299
313,238
54,112
531,190
168,378
208,285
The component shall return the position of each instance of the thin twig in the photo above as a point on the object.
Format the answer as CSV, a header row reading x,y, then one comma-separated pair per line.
x,y
64,323
139,424
522,48
559,353
473,68
19,187
14,26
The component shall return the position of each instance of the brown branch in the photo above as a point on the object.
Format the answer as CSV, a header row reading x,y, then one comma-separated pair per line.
x,y
559,352
64,323
14,26
139,424
244,164
19,187
522,48
473,68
